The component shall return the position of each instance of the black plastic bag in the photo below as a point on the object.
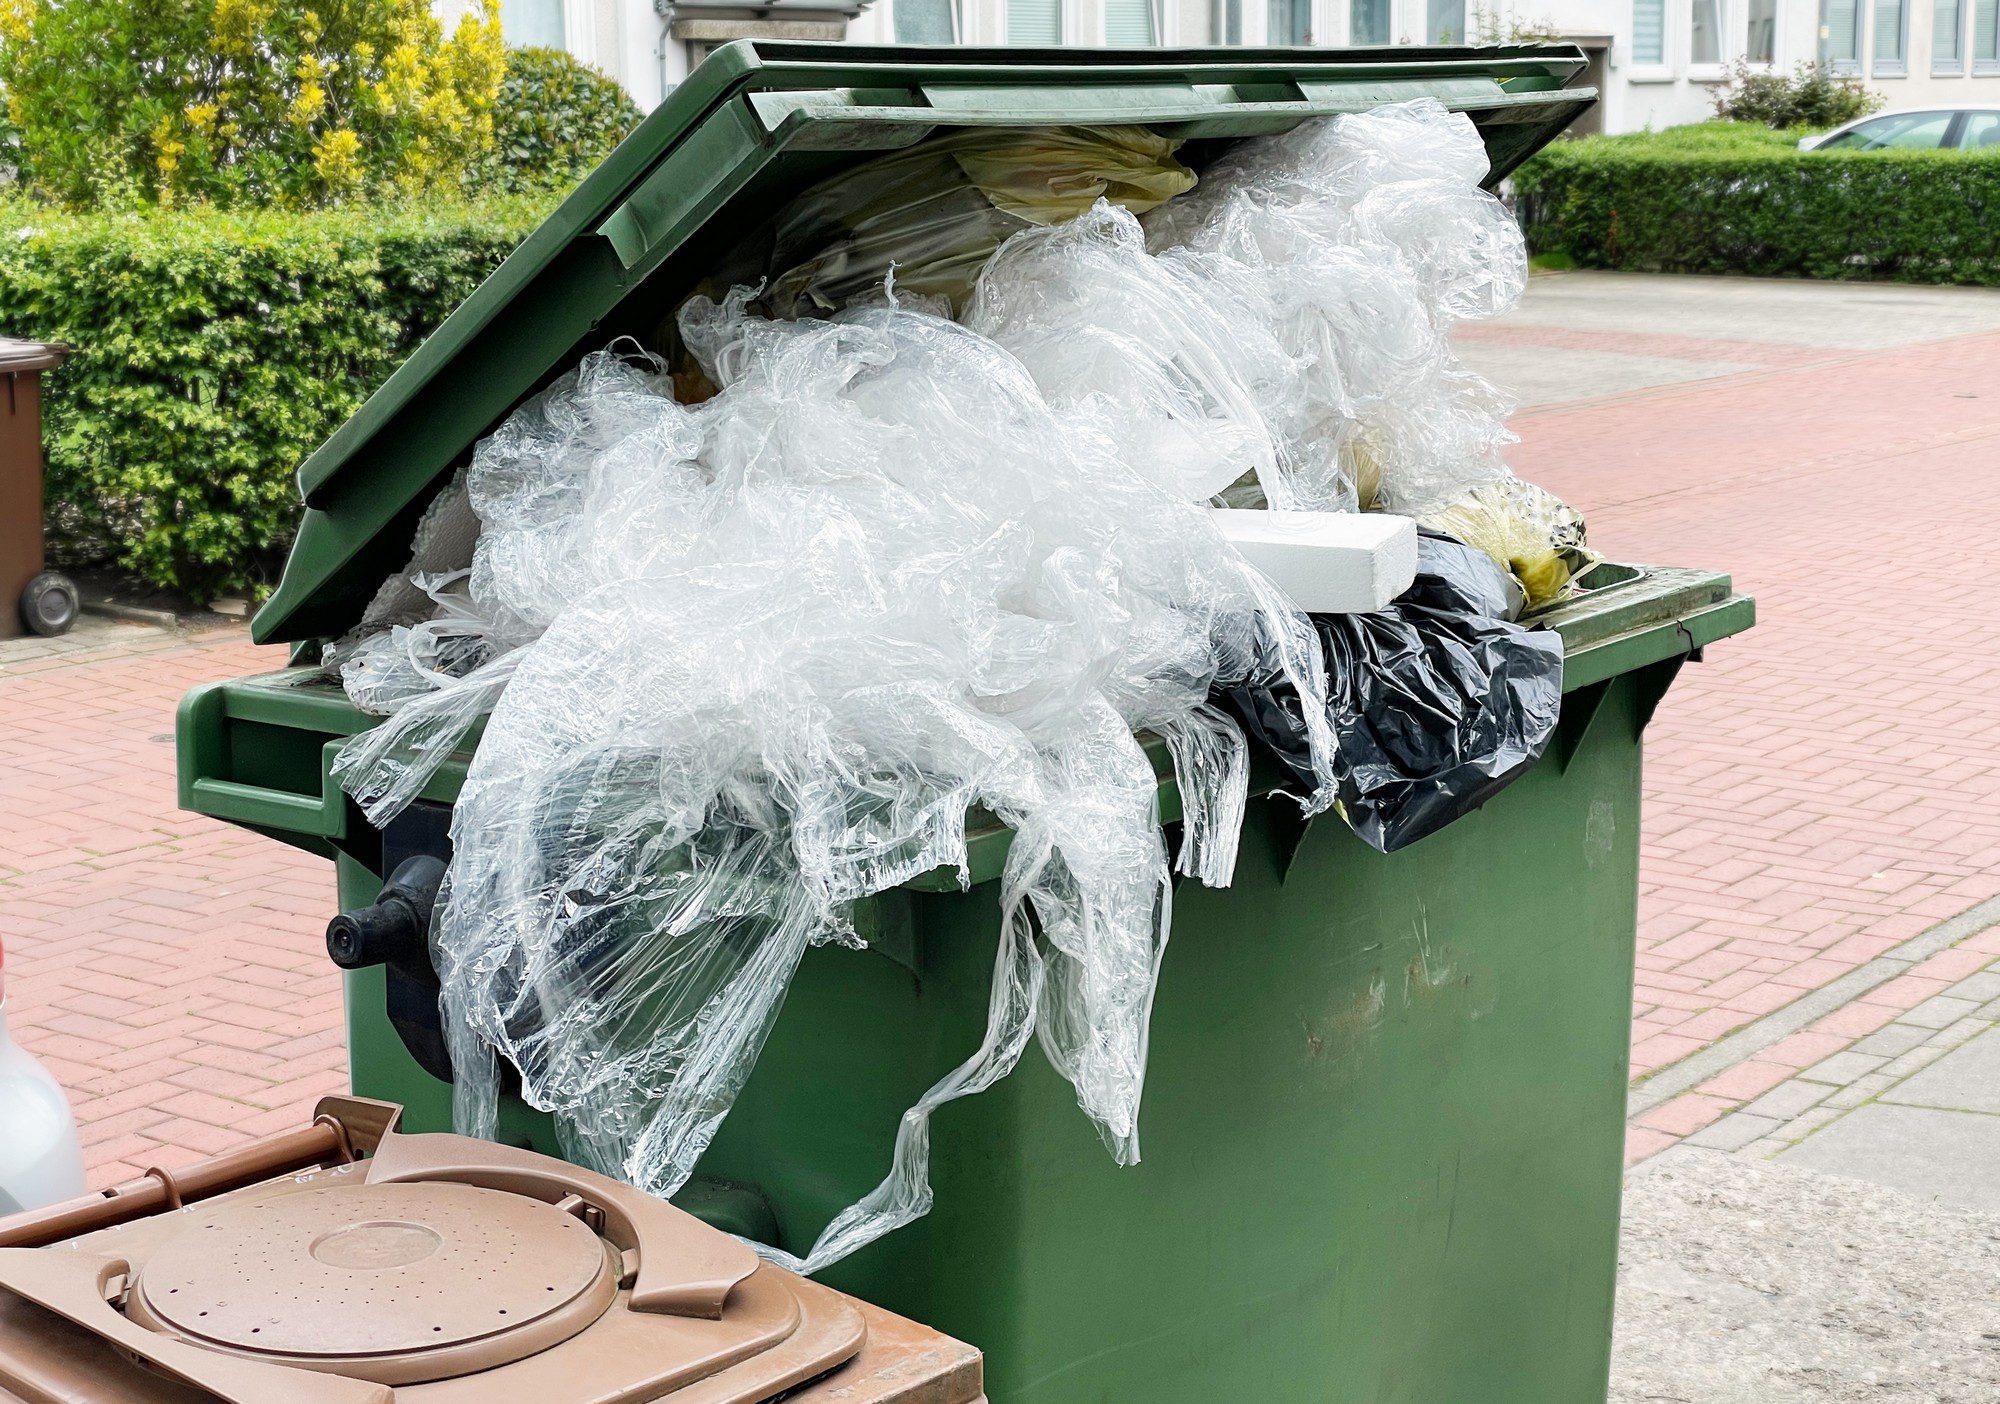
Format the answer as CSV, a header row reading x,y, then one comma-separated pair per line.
x,y
1437,703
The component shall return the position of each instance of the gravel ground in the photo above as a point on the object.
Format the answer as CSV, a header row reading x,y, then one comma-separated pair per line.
x,y
1747,1282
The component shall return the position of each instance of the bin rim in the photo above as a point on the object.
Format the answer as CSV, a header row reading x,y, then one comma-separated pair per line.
x,y
757,121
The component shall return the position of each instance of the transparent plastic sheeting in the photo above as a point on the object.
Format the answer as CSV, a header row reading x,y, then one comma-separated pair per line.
x,y
750,662
1356,244
788,639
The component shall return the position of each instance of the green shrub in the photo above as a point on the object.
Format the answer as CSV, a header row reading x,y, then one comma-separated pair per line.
x,y
245,102
556,119
1736,198
1811,97
213,352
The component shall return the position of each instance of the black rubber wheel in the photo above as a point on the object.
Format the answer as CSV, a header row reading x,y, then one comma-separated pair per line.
x,y
49,604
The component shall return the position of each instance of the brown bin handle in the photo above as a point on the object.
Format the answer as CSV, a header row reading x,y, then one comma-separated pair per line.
x,y
76,1287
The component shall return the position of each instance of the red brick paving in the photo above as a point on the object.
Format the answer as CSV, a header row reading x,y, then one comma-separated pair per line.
x,y
1822,789
167,969
1827,785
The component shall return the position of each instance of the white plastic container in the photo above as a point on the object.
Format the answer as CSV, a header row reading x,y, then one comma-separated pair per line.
x,y
1327,562
41,1161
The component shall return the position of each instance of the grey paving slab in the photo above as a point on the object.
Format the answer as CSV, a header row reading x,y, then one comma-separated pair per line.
x,y
1861,1090
1939,1011
1800,1127
1543,375
1983,986
1889,1041
1754,1282
1832,316
1914,1061
1735,1131
1788,1100
1846,1066
1964,1031
1965,1079
1952,1157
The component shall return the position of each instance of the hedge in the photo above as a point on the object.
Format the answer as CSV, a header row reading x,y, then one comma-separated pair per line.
x,y
1728,197
213,352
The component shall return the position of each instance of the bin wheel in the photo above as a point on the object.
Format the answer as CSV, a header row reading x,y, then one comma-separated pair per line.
x,y
49,604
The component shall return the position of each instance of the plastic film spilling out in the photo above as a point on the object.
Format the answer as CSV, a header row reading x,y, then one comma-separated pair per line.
x,y
748,663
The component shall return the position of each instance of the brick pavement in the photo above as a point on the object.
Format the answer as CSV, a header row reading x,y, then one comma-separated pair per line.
x,y
1827,785
166,968
1823,788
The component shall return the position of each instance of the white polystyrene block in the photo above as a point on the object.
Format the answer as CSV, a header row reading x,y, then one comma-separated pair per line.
x,y
1327,562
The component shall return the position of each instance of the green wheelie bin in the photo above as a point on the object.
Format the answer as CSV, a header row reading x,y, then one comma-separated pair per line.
x,y
1384,1116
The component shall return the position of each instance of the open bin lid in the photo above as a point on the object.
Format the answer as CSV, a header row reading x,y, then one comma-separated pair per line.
x,y
753,126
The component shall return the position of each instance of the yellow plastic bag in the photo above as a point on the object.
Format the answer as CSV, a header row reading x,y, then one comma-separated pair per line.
x,y
934,214
1525,528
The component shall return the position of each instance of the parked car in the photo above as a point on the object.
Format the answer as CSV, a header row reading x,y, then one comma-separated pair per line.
x,y
41,1161
1969,128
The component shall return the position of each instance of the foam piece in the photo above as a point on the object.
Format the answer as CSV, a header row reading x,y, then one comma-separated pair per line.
x,y
1327,562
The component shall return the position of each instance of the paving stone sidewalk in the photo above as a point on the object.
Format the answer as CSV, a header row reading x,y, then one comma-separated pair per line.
x,y
1914,1105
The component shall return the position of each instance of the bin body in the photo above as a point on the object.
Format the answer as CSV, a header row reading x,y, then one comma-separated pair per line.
x,y
21,366
1382,1134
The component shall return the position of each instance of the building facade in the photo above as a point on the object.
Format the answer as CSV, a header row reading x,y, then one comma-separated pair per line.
x,y
1657,62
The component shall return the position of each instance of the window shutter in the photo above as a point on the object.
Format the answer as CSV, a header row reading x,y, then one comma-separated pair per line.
x,y
1034,21
1945,21
1447,21
1128,23
1649,31
1843,34
1986,34
924,22
1888,35
532,23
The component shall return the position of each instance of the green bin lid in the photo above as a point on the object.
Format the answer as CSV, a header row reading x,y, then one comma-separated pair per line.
x,y
755,124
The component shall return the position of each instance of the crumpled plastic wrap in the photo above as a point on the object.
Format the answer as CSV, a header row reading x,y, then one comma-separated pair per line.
x,y
931,216
792,636
1439,701
747,662
1125,340
1359,241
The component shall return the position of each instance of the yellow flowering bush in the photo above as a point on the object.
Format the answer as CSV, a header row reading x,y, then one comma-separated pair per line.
x,y
295,103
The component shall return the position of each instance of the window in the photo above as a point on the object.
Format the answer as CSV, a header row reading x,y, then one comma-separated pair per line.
x,y
1760,39
1947,36
1906,131
1232,21
1891,25
1649,33
926,22
1446,21
1981,131
532,23
1840,34
1705,32
1034,22
1291,22
1368,22
1986,36
1128,24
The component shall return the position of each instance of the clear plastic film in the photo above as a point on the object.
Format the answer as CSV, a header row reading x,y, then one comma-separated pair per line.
x,y
746,663
1358,242
875,581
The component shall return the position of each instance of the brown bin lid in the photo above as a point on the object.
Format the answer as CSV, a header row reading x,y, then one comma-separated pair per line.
x,y
444,1271
17,355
